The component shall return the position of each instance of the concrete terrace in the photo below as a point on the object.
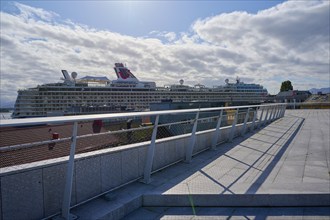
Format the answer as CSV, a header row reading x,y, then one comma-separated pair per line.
x,y
281,171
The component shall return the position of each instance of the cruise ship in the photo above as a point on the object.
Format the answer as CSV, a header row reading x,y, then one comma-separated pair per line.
x,y
95,95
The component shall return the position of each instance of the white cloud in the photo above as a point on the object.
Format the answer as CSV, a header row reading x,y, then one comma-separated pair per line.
x,y
168,36
291,40
27,12
287,42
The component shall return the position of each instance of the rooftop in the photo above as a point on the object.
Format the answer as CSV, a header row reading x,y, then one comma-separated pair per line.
x,y
279,172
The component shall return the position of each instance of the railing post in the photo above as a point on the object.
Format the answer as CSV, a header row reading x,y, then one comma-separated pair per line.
x,y
280,111
245,122
265,120
217,132
233,127
69,175
275,113
260,119
283,111
254,119
150,153
190,147
270,114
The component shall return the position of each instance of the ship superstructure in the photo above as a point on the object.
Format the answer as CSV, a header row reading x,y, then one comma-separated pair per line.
x,y
94,95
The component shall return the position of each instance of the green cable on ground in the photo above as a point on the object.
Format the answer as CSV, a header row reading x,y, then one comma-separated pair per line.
x,y
191,201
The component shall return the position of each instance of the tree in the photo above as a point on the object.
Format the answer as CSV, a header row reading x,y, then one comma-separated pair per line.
x,y
286,86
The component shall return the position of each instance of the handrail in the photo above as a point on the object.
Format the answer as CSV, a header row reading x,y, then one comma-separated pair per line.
x,y
272,111
67,119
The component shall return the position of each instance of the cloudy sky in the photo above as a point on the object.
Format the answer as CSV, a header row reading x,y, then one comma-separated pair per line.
x,y
263,42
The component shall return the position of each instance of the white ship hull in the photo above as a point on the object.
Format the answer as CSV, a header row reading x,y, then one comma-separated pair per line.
x,y
128,94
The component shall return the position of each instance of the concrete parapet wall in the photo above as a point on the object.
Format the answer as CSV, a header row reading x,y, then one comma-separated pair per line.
x,y
35,191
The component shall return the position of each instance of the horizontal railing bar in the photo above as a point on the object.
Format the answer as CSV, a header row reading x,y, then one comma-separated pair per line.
x,y
307,103
176,123
67,119
207,118
28,145
38,143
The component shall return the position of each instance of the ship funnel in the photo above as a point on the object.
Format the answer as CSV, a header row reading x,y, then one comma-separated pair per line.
x,y
74,75
66,75
123,73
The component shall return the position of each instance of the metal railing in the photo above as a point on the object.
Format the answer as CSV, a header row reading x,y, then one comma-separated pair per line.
x,y
161,124
308,105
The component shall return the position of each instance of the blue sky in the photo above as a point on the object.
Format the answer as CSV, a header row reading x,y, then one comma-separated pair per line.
x,y
139,18
264,42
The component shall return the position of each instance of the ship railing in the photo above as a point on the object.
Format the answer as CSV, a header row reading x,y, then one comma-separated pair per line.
x,y
159,124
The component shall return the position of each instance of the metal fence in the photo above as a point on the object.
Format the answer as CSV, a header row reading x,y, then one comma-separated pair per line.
x,y
24,141
309,105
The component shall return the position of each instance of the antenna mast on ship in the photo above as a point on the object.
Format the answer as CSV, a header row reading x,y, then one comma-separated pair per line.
x,y
238,80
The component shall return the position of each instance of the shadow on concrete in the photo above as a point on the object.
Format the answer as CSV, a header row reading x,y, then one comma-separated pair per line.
x,y
203,159
253,189
181,171
261,179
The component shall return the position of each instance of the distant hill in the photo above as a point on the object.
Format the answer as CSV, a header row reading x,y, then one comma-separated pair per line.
x,y
323,90
7,104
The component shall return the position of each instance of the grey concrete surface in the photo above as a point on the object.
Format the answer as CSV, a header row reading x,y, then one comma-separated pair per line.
x,y
239,213
284,157
23,207
288,157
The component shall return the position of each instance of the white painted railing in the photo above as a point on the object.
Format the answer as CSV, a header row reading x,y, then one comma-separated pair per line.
x,y
268,113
